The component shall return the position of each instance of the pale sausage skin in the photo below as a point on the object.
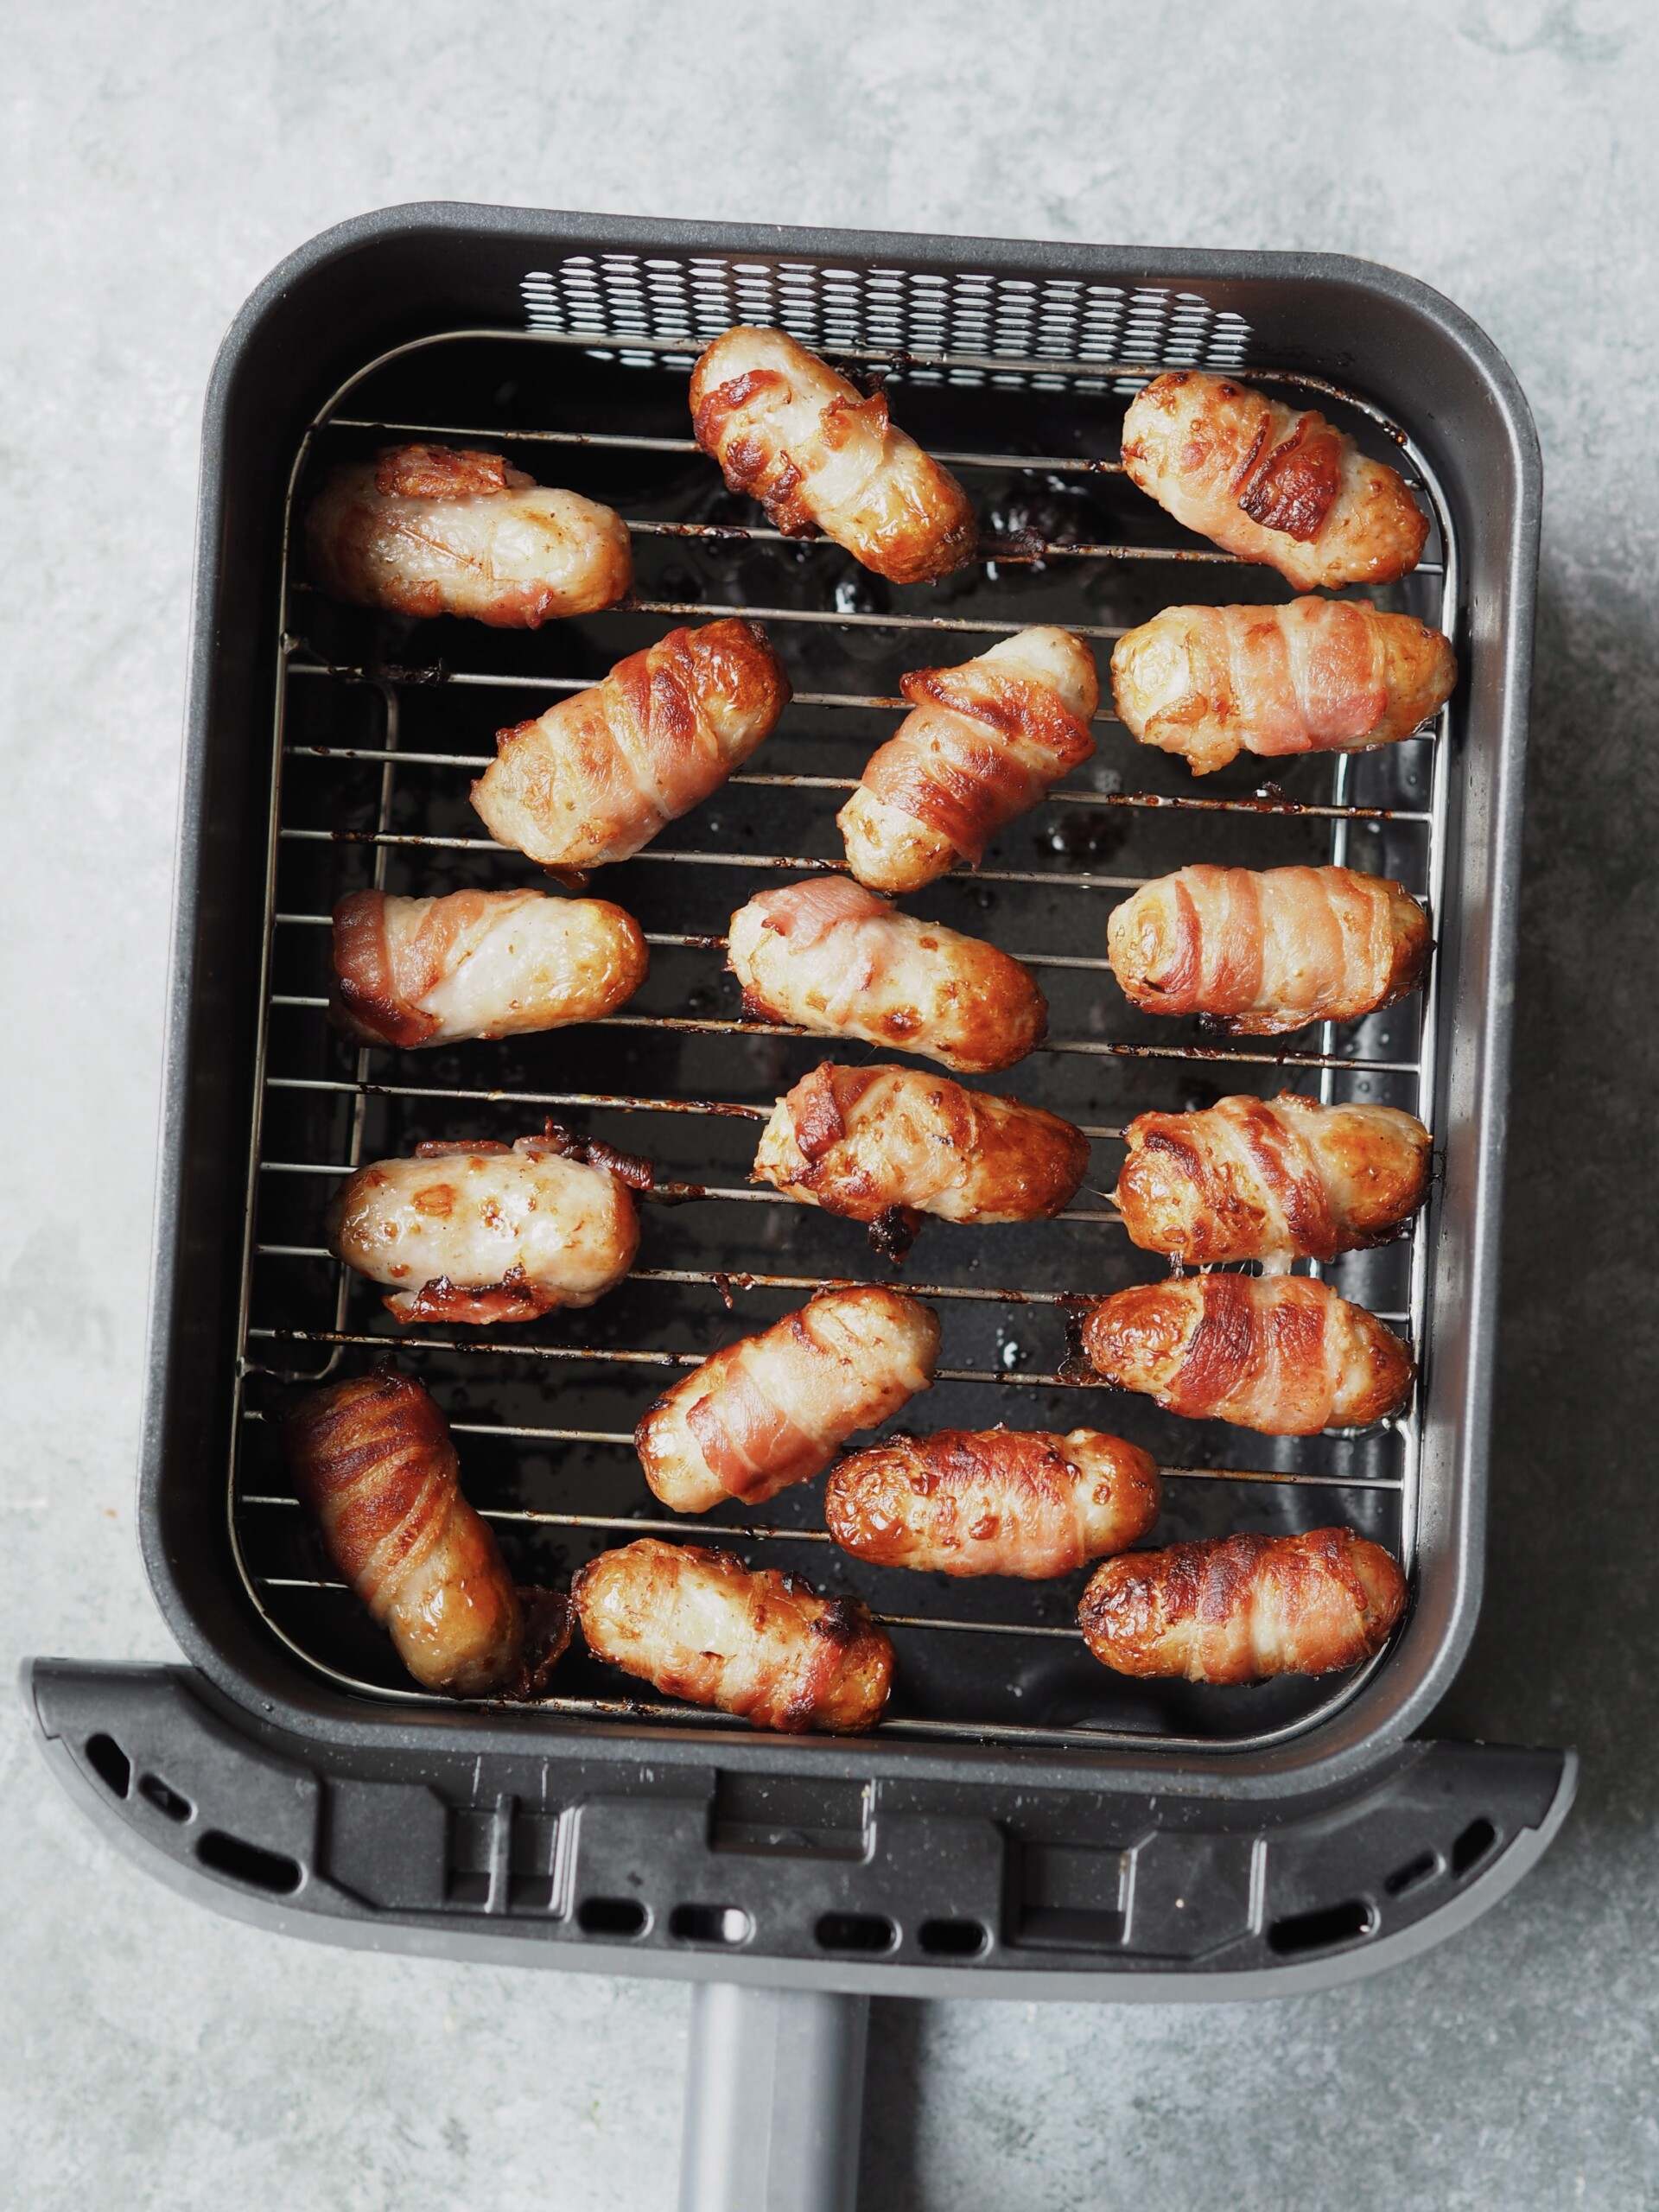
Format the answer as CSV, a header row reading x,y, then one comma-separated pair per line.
x,y
774,1409
1262,952
431,529
787,430
1242,1609
483,1233
1318,676
479,964
993,1502
1271,1179
700,1624
373,1463
876,1142
1282,1354
981,744
595,777
1271,483
828,956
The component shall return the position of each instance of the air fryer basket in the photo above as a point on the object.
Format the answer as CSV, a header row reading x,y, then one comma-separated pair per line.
x,y
1024,1819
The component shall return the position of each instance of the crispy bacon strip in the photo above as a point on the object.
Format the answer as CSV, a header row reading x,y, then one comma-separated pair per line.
x,y
432,530
700,1624
1266,953
774,1408
991,1502
1275,1180
982,744
1318,676
864,1141
373,1462
597,776
818,455
1240,1609
1283,1354
828,956
1270,483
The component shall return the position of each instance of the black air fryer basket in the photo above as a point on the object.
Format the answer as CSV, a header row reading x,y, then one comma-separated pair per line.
x,y
1025,1823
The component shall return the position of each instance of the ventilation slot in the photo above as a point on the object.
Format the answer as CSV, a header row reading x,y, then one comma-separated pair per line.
x,y
710,1923
271,1871
953,1939
856,1931
164,1798
1471,1846
110,1763
1322,1931
1413,1875
623,1916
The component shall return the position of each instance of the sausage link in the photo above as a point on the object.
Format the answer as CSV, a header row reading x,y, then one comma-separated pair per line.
x,y
1240,1609
700,1624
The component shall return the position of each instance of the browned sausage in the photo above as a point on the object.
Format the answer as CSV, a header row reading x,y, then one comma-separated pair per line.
x,y
1282,1353
993,1502
1275,1179
700,1624
1239,1608
773,1409
373,1461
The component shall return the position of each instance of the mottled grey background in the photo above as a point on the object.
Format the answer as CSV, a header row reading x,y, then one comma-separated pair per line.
x,y
155,162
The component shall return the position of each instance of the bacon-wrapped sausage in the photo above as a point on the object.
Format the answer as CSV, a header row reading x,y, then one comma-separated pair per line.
x,y
982,744
887,1145
1271,483
818,455
701,1625
1273,1179
1265,952
830,956
1239,1608
994,1502
479,964
1318,676
485,1232
1278,1353
372,1461
427,529
775,1408
596,777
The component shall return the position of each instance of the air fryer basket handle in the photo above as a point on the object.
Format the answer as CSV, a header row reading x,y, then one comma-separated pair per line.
x,y
774,2095
531,1857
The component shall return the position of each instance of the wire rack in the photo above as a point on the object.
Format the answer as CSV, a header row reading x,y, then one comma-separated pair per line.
x,y
380,725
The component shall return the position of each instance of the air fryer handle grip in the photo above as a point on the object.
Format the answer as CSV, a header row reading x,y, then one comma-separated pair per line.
x,y
774,2096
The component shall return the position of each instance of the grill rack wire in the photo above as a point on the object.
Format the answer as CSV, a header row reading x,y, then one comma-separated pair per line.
x,y
272,1354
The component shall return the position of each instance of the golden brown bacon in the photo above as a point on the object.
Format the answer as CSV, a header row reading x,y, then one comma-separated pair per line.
x,y
887,1145
983,743
432,530
991,1502
1282,1353
1273,1179
701,1625
788,431
1239,1608
483,1233
1270,483
373,1462
830,956
775,1408
596,777
479,964
1263,953
1318,676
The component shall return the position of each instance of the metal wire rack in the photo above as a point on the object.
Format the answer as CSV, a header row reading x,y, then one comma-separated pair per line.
x,y
378,724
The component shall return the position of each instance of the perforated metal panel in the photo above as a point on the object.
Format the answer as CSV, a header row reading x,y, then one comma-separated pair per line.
x,y
910,312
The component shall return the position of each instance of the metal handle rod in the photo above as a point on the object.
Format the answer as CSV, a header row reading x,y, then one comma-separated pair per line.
x,y
774,2098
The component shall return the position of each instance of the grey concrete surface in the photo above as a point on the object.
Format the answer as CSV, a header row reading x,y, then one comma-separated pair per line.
x,y
155,162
